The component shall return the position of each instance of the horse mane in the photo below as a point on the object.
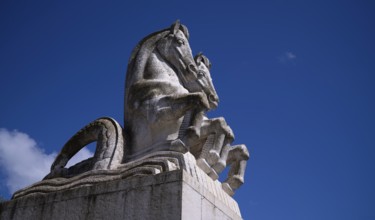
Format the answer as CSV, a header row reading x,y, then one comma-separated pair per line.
x,y
139,57
140,54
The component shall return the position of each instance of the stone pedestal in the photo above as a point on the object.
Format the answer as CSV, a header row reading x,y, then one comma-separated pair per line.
x,y
186,193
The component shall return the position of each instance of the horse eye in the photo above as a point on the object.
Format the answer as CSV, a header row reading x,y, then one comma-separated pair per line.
x,y
180,41
200,74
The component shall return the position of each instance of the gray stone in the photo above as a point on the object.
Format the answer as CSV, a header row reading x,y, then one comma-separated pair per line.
x,y
163,164
107,133
167,95
186,193
157,97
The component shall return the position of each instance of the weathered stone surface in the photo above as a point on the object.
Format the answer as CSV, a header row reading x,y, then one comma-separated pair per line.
x,y
167,95
107,133
163,164
180,194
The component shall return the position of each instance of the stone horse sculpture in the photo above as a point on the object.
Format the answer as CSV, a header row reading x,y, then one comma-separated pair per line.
x,y
156,102
156,98
212,147
167,95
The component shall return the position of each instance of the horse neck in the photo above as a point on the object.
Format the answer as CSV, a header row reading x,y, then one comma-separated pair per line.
x,y
159,69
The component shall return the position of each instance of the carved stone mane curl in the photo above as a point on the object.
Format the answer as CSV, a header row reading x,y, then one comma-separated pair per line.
x,y
139,57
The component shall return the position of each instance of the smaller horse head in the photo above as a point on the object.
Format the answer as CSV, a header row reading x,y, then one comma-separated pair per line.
x,y
175,49
203,80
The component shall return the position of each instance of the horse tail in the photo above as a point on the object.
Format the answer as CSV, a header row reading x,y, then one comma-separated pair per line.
x,y
109,152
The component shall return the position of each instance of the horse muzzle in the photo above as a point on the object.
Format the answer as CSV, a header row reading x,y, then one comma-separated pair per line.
x,y
213,100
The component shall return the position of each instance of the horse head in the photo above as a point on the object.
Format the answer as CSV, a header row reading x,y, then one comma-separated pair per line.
x,y
203,80
175,49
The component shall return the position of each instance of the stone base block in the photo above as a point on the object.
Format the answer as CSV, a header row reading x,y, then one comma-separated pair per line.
x,y
180,194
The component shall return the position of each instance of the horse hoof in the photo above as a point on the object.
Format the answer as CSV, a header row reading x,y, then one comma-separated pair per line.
x,y
213,174
213,157
202,163
226,187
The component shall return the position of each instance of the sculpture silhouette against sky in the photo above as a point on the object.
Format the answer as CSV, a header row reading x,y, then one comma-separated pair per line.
x,y
167,95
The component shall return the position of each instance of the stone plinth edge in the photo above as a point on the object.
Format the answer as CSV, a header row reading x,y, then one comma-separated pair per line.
x,y
173,189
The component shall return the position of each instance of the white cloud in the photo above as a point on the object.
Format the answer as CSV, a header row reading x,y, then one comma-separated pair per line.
x,y
24,162
287,57
81,155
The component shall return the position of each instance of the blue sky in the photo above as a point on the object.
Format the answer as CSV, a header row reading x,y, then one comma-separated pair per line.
x,y
295,80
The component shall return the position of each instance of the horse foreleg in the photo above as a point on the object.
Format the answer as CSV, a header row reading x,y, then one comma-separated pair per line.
x,y
237,158
235,177
202,159
190,128
222,162
176,106
214,152
220,135
216,134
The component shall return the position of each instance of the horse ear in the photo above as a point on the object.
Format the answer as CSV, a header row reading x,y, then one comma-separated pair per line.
x,y
198,58
185,31
207,62
175,27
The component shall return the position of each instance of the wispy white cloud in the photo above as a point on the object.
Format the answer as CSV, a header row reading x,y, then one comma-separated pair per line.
x,y
287,57
24,162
